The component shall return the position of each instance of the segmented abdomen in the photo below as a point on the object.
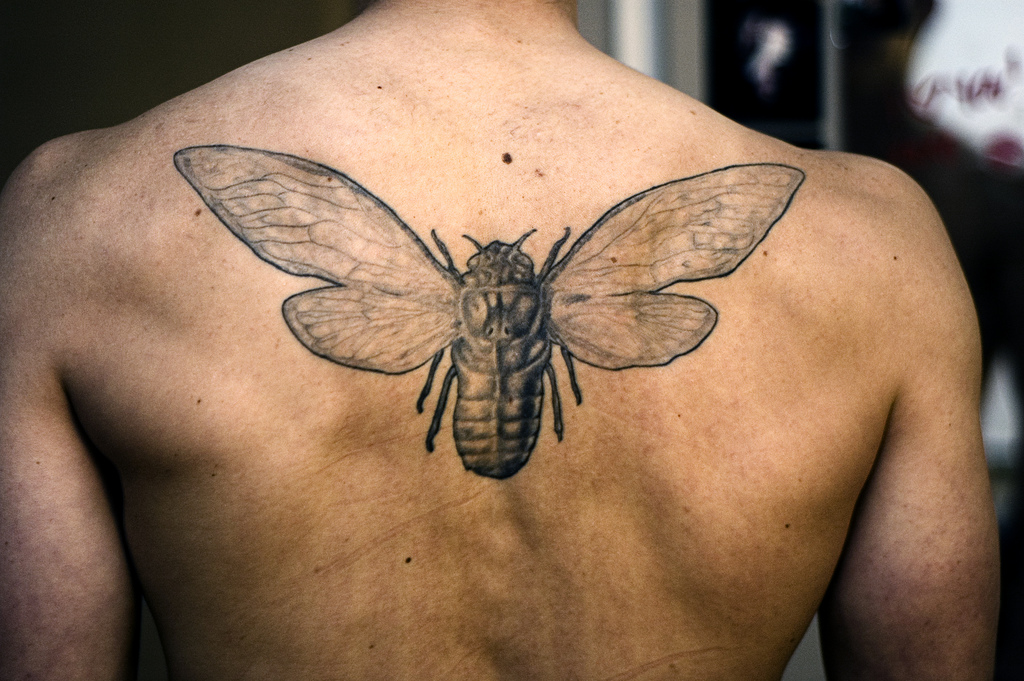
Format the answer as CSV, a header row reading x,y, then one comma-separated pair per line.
x,y
499,400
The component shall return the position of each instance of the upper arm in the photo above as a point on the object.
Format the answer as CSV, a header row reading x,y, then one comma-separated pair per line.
x,y
915,595
68,603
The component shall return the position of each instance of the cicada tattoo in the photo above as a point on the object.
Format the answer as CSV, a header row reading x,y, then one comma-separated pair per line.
x,y
391,306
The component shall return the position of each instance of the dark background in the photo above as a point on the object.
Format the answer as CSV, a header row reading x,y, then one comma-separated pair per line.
x,y
799,95
70,66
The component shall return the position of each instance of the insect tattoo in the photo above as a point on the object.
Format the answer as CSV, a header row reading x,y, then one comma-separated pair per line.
x,y
390,306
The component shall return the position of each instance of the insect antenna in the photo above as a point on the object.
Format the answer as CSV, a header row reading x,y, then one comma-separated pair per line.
x,y
442,401
474,242
430,381
447,256
572,375
518,244
556,400
550,262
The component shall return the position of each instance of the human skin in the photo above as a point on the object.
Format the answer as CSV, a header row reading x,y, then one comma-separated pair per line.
x,y
820,447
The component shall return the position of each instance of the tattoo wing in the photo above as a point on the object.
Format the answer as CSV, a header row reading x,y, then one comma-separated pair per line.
x,y
606,308
392,306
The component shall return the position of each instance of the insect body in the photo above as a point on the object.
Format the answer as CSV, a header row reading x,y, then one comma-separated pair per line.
x,y
499,360
391,306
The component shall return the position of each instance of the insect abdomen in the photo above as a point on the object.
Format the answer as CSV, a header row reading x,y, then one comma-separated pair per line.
x,y
498,404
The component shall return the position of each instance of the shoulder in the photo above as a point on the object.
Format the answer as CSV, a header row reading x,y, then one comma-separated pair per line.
x,y
878,199
889,249
59,180
51,172
40,207
861,267
63,217
893,229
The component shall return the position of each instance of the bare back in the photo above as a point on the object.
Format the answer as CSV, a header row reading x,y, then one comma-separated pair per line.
x,y
281,508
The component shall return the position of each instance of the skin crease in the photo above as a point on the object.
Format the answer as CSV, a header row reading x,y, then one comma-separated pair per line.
x,y
820,448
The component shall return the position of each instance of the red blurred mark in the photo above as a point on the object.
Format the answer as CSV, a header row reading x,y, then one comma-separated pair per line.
x,y
972,89
1005,151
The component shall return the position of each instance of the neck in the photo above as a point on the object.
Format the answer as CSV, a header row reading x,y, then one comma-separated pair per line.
x,y
502,16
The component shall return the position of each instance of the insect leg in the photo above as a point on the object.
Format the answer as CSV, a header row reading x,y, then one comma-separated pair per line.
x,y
550,262
444,251
442,401
572,375
556,400
430,381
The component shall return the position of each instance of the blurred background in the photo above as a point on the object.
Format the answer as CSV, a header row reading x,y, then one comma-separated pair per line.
x,y
934,86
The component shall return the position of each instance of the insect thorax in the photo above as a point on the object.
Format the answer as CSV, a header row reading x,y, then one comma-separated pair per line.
x,y
500,295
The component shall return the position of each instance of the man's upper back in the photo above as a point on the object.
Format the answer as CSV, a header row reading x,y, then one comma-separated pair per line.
x,y
281,510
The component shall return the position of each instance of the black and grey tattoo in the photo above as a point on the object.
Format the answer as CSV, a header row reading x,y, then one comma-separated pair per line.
x,y
391,306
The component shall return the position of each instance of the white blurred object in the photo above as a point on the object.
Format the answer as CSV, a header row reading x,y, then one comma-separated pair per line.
x,y
1000,409
635,27
772,41
966,76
